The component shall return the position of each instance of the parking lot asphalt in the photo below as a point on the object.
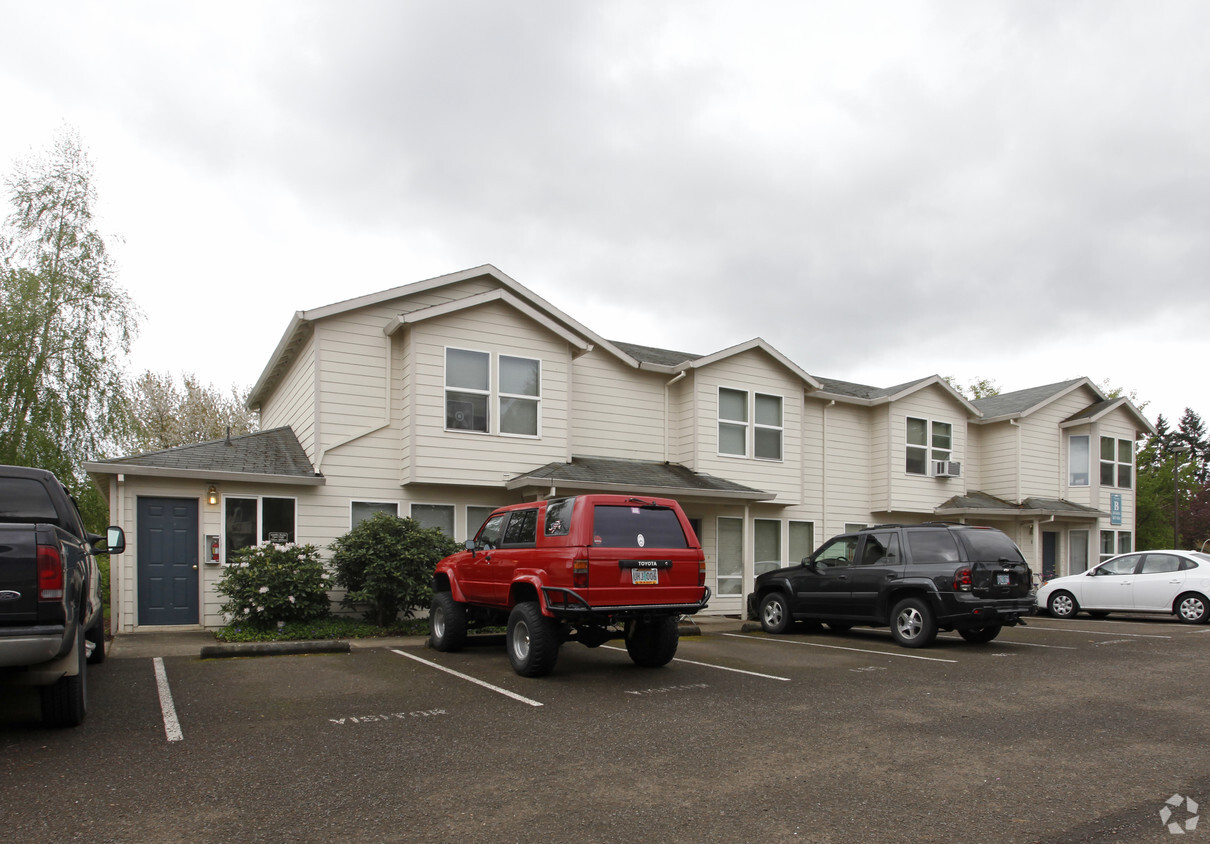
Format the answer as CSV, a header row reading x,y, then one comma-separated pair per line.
x,y
1063,731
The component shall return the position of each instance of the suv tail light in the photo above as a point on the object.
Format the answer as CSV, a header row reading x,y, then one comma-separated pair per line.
x,y
962,580
701,572
50,574
579,574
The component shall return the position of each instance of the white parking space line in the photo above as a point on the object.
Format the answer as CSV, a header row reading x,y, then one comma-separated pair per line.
x,y
1005,642
1114,633
468,678
719,667
840,648
172,727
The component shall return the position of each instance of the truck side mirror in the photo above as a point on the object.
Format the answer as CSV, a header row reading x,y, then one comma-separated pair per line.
x,y
115,540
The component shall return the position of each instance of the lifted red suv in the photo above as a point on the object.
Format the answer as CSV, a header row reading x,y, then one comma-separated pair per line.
x,y
589,568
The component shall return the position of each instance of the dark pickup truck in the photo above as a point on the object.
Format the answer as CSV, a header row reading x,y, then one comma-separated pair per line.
x,y
51,618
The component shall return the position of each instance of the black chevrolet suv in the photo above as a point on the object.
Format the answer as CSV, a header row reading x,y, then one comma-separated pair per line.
x,y
915,578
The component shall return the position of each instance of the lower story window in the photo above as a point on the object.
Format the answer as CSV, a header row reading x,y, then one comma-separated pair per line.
x,y
252,520
730,556
362,510
802,540
1114,542
440,516
1078,545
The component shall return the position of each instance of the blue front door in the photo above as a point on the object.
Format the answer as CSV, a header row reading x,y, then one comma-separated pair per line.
x,y
167,561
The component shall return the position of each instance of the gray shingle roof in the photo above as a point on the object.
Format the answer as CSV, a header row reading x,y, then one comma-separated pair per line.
x,y
649,354
1018,402
273,452
976,501
640,476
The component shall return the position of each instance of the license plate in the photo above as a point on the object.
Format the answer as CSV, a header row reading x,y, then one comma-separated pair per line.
x,y
645,577
1003,579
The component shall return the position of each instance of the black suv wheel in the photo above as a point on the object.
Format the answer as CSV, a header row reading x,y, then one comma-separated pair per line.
x,y
913,624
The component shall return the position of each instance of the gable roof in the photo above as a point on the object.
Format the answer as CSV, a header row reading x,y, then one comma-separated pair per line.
x,y
606,474
302,323
847,391
1024,402
273,456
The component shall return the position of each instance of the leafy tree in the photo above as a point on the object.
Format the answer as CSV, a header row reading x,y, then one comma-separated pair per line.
x,y
981,389
1179,457
386,563
169,413
65,324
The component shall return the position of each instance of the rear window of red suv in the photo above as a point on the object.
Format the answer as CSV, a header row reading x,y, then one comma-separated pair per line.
x,y
636,526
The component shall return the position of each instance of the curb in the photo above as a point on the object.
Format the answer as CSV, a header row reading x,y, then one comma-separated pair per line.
x,y
330,646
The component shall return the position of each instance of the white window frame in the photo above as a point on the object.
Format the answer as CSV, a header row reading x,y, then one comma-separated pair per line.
x,y
749,427
375,507
795,557
1116,464
502,396
776,532
931,450
1075,472
260,517
1120,542
453,511
735,569
494,398
472,529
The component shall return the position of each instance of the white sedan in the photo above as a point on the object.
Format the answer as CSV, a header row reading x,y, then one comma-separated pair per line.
x,y
1145,581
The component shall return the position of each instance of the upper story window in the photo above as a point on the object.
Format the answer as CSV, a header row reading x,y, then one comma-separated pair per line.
x,y
927,440
470,396
1117,462
735,409
1078,460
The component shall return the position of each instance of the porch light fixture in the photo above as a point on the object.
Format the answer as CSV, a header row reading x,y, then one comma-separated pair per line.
x,y
212,495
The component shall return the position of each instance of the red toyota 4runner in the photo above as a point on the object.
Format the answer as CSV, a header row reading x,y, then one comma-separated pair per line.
x,y
589,568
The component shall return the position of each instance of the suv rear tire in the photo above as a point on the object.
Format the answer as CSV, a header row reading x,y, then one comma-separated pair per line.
x,y
652,642
447,623
532,640
913,624
980,635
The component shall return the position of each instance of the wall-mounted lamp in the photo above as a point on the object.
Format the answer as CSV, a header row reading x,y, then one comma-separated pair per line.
x,y
212,495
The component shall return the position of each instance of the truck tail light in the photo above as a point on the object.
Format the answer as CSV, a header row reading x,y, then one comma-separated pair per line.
x,y
50,574
962,580
701,572
579,574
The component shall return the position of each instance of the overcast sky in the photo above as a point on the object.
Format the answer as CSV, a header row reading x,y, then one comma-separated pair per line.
x,y
883,191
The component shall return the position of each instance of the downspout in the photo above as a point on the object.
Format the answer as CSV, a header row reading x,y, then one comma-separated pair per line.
x,y
823,469
117,491
667,403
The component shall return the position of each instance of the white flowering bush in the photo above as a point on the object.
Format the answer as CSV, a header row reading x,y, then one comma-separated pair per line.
x,y
268,583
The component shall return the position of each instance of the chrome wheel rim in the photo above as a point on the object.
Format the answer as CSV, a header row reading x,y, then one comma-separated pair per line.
x,y
520,640
909,623
437,620
1192,609
1060,605
773,613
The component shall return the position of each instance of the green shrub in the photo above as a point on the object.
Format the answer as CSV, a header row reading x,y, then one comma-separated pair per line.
x,y
267,584
386,563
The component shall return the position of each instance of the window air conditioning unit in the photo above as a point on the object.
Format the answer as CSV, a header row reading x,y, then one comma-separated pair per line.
x,y
947,469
